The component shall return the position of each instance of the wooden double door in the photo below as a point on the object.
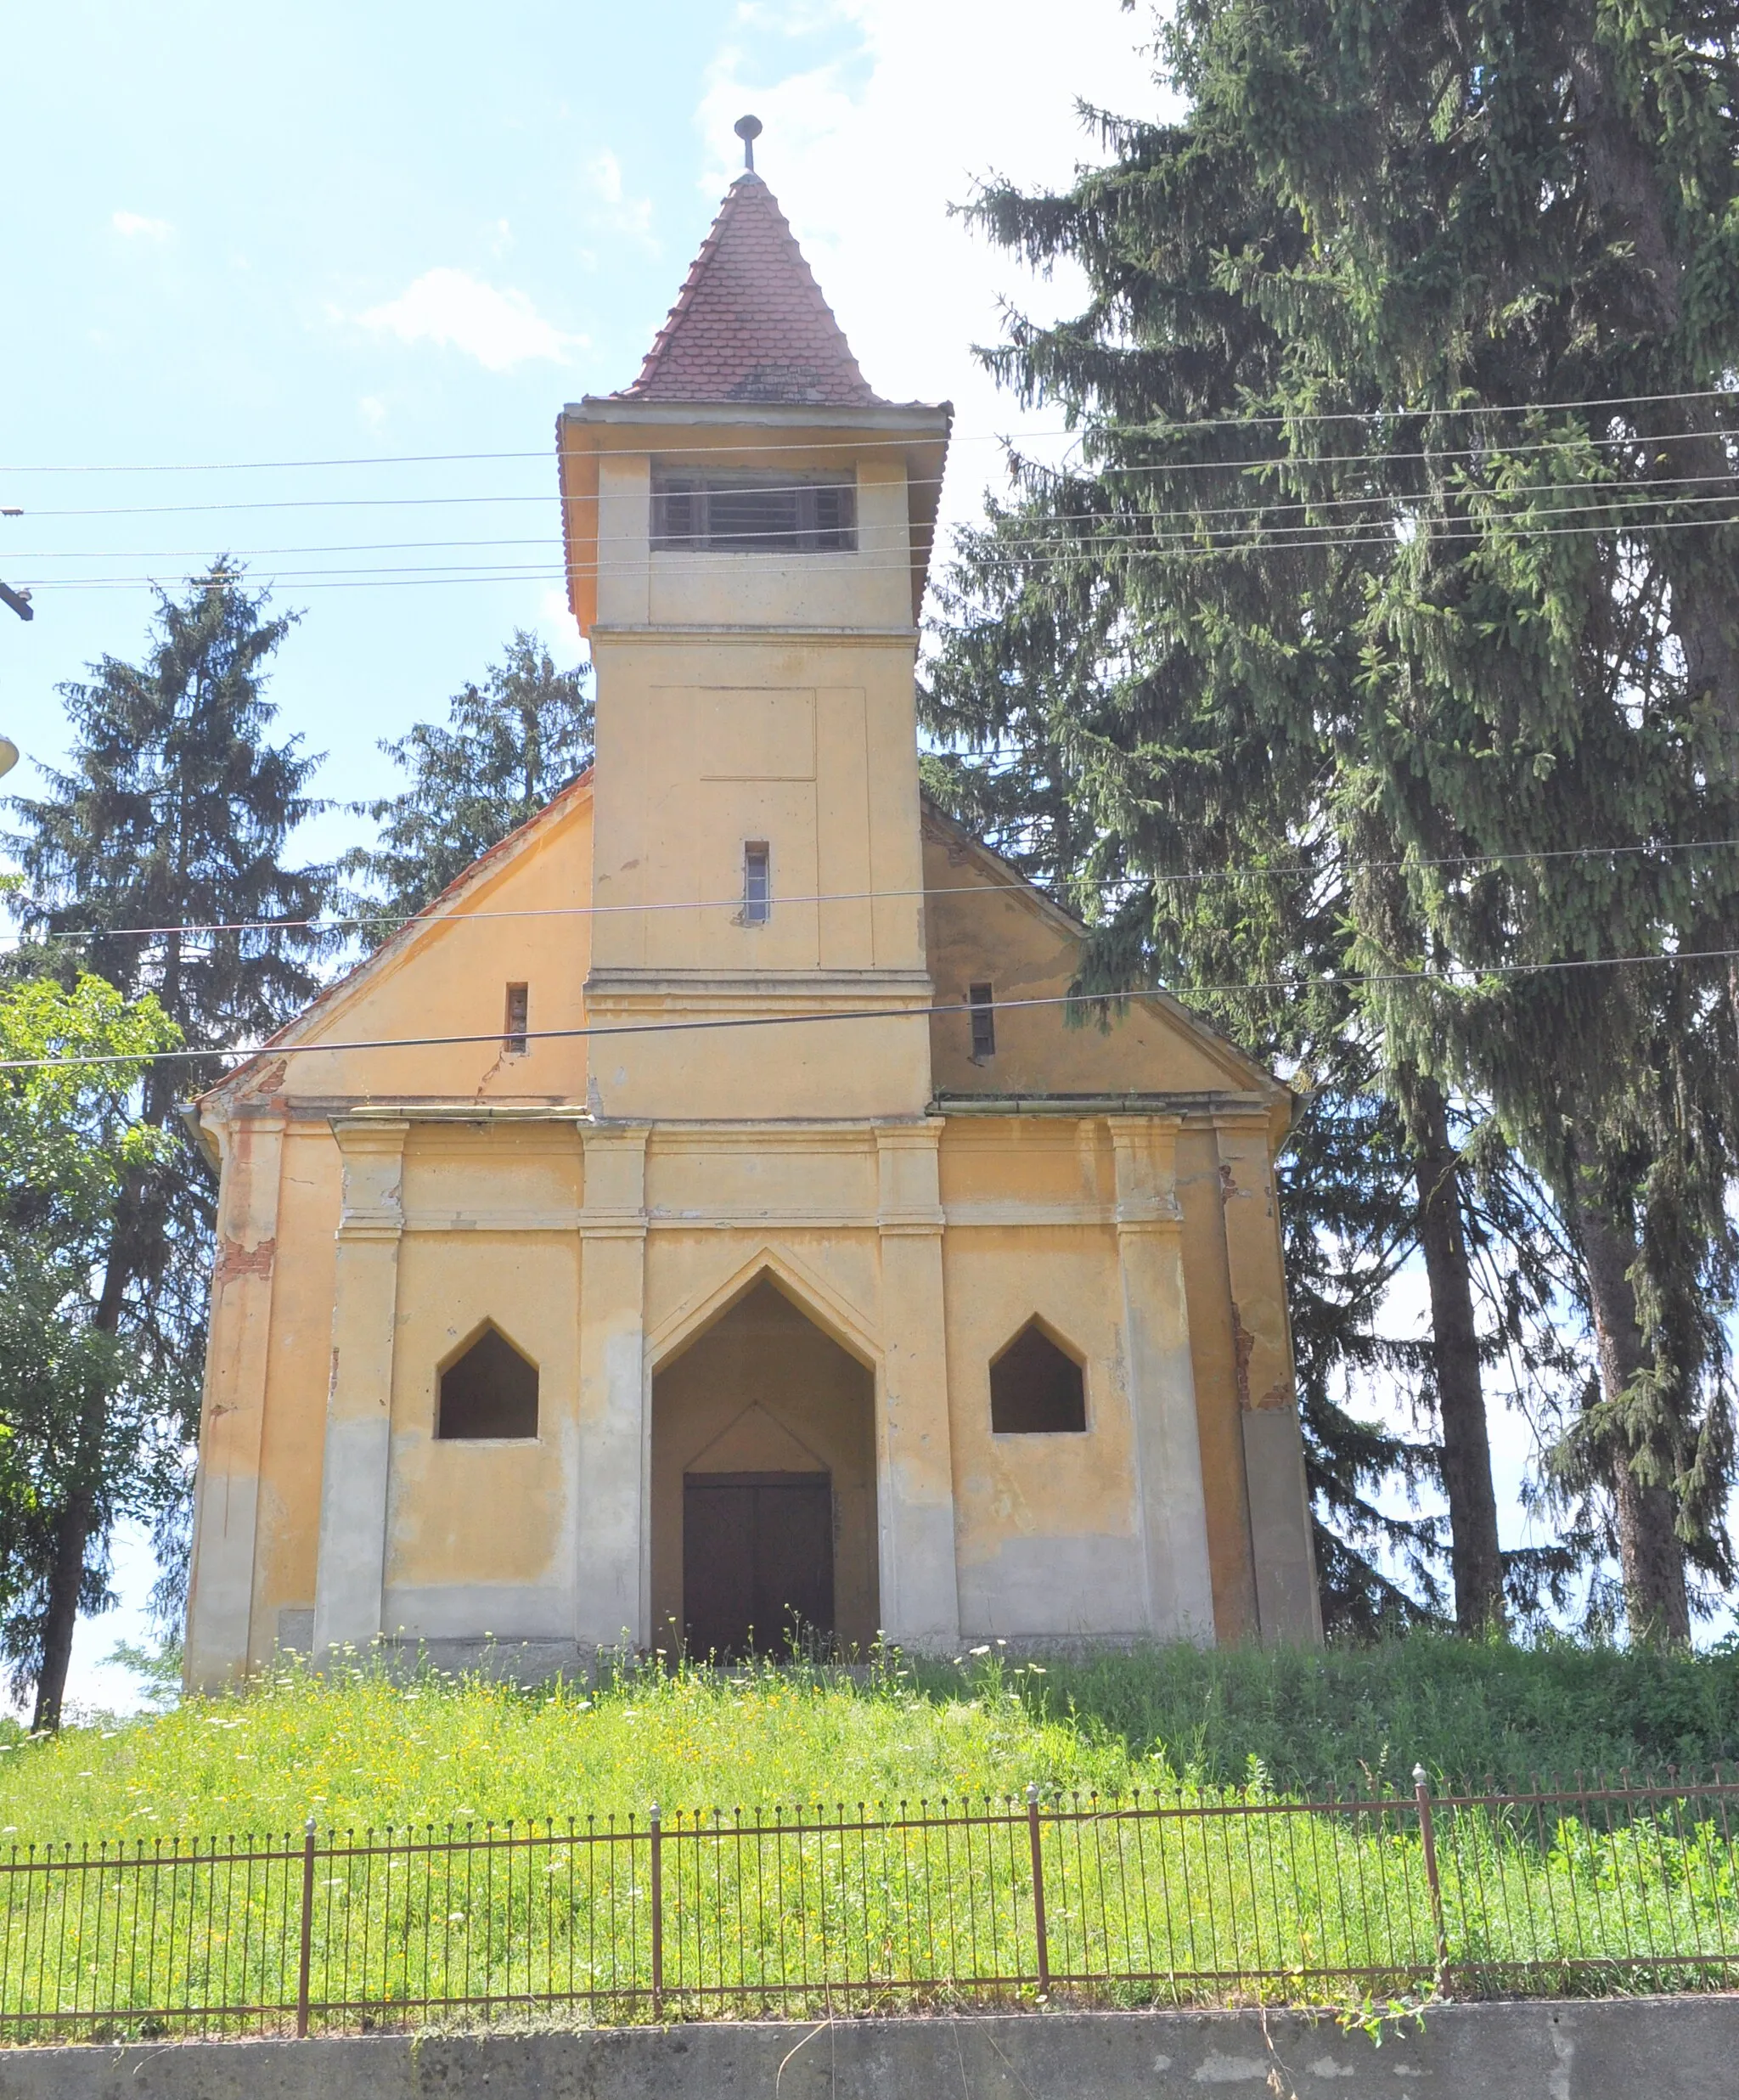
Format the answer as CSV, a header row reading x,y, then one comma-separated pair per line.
x,y
757,1562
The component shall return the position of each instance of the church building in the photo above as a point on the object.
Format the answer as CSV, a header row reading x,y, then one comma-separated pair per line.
x,y
700,1224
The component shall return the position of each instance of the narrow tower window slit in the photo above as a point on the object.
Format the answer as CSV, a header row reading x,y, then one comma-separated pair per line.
x,y
757,882
982,1000
516,1032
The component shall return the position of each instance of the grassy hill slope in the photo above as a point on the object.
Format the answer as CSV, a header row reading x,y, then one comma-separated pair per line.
x,y
365,1751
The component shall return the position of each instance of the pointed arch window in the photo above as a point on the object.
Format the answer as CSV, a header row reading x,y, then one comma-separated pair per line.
x,y
1037,1387
489,1389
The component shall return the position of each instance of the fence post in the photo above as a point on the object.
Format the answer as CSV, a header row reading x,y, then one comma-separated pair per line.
x,y
655,1824
1427,1835
1039,1938
305,1963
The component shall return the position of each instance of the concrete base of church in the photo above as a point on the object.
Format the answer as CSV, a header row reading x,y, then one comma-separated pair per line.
x,y
530,1663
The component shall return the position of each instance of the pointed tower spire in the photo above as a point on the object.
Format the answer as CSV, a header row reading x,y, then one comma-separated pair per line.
x,y
751,323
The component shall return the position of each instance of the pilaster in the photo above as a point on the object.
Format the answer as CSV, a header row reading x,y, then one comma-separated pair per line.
x,y
919,1587
220,1606
354,1476
612,1488
1274,1448
1161,1383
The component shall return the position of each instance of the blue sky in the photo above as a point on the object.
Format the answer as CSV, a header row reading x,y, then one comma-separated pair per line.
x,y
242,234
237,234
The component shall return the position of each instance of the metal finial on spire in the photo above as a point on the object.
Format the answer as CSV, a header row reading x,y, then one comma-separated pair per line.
x,y
748,129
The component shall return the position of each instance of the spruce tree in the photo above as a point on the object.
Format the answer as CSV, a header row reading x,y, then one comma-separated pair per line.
x,y
156,861
1070,747
506,746
1403,444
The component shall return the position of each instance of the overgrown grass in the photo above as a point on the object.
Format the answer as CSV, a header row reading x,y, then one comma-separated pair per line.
x,y
359,1750
1216,1889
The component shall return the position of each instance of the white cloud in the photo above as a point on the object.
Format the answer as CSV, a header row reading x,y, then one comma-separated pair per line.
x,y
134,226
373,410
624,214
867,153
499,329
561,631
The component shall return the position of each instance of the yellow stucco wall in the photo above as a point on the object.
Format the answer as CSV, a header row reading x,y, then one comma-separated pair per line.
x,y
613,1202
525,920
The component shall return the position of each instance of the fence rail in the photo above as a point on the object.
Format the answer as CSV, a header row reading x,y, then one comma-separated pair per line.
x,y
1575,1890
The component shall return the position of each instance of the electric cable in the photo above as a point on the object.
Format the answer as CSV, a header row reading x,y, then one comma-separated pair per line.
x,y
1122,471
1179,547
1600,496
272,1049
1397,413
1249,873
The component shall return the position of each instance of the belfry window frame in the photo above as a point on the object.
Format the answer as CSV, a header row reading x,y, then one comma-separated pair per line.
x,y
744,510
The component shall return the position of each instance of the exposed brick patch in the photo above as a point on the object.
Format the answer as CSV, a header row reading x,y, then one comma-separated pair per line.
x,y
749,324
1243,1342
235,1261
269,1078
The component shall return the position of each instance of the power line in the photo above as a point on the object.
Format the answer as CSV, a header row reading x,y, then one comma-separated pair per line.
x,y
1350,536
876,1013
1122,471
1249,873
1397,413
1601,495
1598,492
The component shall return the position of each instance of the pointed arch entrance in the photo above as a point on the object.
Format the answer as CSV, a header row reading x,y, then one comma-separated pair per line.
x,y
763,1486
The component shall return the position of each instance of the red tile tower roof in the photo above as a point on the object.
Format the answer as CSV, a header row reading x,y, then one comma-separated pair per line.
x,y
749,324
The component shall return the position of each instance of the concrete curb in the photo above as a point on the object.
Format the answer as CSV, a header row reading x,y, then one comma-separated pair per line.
x,y
1663,2048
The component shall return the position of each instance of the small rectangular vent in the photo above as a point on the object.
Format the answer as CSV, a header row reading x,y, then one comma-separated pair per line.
x,y
745,512
979,1000
758,883
516,1036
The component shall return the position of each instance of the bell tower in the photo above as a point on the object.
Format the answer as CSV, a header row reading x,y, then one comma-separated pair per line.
x,y
747,528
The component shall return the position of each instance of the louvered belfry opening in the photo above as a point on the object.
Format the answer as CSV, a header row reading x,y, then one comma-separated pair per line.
x,y
770,512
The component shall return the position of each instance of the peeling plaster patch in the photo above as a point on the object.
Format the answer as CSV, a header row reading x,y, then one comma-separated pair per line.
x,y
267,1079
235,1261
1243,1342
1231,2070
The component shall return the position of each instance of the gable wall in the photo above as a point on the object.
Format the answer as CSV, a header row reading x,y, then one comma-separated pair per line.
x,y
525,923
977,932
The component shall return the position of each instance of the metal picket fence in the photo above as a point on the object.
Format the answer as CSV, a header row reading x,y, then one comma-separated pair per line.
x,y
1229,1899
